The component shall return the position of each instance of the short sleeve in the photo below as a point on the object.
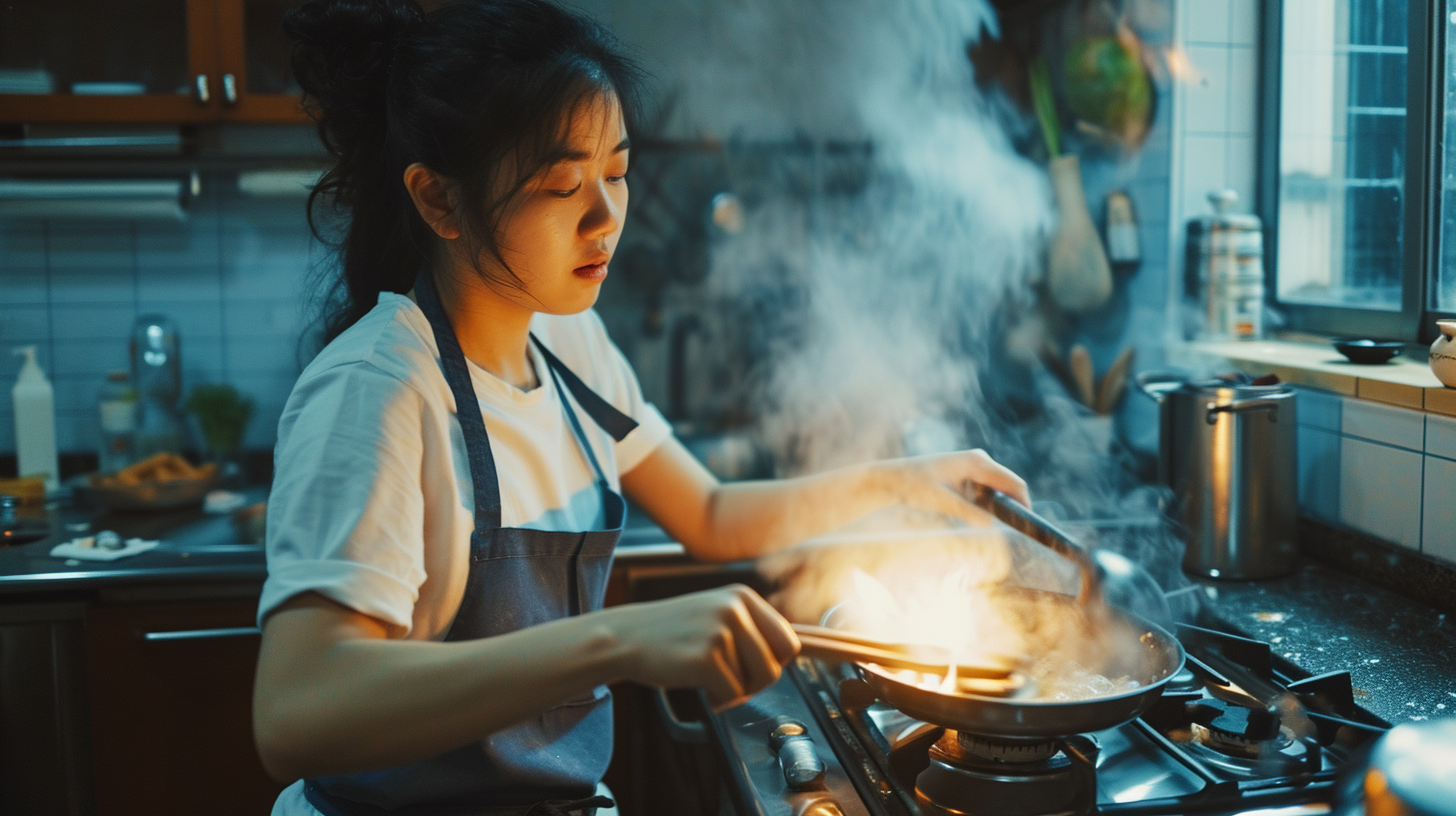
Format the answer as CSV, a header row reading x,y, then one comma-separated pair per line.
x,y
346,513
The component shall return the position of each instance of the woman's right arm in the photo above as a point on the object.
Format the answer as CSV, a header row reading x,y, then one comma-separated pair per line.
x,y
334,695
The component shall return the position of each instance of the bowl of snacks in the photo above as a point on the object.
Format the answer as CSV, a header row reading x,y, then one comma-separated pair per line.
x,y
164,481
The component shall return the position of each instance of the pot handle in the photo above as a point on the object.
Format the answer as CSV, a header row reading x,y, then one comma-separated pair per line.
x,y
1243,406
1157,384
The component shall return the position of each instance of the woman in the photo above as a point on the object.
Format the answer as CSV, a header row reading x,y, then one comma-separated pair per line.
x,y
433,637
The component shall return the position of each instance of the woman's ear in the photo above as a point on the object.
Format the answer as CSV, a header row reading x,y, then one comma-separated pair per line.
x,y
431,195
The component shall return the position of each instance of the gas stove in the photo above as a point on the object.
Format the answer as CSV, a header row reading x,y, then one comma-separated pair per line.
x,y
1239,730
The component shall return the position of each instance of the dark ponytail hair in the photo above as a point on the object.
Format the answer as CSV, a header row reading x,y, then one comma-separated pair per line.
x,y
458,89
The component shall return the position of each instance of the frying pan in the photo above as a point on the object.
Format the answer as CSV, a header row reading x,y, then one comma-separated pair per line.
x,y
1105,640
1144,652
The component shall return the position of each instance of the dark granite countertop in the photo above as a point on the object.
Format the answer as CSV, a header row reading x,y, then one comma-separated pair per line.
x,y
1401,653
196,547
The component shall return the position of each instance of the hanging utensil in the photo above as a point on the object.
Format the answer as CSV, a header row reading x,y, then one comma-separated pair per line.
x,y
1079,277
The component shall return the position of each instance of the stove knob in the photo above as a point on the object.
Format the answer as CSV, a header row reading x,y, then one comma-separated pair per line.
x,y
797,755
818,807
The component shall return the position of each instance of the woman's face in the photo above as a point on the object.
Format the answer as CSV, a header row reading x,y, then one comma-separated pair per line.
x,y
562,228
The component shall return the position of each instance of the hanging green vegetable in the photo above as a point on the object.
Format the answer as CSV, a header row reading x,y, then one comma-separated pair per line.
x,y
1108,87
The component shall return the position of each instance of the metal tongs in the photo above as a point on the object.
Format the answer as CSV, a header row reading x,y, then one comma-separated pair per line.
x,y
1021,519
852,647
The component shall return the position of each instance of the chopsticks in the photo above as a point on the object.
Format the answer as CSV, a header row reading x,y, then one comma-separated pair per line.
x,y
834,644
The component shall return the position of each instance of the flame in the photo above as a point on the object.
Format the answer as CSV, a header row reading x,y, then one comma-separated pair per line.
x,y
955,611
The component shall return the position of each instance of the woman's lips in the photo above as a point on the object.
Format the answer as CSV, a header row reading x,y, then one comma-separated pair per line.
x,y
592,272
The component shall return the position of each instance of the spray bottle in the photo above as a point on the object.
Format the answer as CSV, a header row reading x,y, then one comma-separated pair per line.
x,y
35,421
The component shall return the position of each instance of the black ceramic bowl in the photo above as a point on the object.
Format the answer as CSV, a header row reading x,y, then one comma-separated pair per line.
x,y
1369,352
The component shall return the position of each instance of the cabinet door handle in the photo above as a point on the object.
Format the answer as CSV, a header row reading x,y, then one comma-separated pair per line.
x,y
203,94
230,89
203,634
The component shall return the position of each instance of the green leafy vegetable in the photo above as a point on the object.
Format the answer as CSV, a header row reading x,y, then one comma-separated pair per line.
x,y
223,413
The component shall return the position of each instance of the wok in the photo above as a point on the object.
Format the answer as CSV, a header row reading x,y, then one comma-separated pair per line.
x,y
1143,651
1058,628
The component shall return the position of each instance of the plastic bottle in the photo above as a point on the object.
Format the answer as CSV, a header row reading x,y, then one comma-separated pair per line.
x,y
35,421
117,406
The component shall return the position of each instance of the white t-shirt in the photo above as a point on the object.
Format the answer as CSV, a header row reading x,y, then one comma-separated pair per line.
x,y
372,503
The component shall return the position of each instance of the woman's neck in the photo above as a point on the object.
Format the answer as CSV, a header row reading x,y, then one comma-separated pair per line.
x,y
493,331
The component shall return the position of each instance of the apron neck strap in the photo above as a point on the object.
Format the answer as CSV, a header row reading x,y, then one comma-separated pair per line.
x,y
602,412
467,407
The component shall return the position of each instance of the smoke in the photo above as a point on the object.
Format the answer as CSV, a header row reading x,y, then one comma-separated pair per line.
x,y
878,292
882,301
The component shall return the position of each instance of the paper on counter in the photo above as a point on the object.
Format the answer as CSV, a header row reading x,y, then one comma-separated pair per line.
x,y
85,549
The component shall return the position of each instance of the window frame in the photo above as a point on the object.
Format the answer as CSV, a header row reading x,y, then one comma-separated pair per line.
x,y
1415,322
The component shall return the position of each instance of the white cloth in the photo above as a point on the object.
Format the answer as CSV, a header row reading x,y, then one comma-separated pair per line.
x,y
85,549
372,502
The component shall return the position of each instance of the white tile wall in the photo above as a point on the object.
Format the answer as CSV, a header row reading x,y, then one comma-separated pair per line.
x,y
1438,532
1384,423
1389,472
1441,436
1320,409
1206,20
231,276
1319,473
1380,491
1216,114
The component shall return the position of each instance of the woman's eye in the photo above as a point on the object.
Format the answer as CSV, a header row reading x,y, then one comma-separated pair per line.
x,y
565,193
617,179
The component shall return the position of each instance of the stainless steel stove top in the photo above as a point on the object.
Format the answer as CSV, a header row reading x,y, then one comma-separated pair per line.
x,y
1238,731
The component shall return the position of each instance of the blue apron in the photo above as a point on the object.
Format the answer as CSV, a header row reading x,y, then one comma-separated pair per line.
x,y
550,762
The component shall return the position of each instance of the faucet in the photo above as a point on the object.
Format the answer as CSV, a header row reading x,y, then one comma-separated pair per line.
x,y
677,386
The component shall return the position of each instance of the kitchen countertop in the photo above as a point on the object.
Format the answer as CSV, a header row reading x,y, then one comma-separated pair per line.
x,y
196,547
1401,653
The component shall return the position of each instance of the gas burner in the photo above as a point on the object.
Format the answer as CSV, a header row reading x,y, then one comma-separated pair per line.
x,y
1281,756
971,773
997,749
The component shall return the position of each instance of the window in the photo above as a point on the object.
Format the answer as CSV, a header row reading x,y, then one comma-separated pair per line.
x,y
1359,237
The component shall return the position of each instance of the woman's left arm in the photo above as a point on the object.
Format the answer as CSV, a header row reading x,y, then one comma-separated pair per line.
x,y
722,522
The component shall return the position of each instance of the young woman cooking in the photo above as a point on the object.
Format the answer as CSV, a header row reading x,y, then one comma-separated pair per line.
x,y
449,467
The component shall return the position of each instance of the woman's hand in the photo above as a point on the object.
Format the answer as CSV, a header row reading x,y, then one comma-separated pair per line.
x,y
727,641
939,483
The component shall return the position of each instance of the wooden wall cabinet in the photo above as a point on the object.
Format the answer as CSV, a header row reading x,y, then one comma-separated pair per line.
x,y
195,61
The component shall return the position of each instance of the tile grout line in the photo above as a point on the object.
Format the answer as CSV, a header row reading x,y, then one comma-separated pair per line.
x,y
226,374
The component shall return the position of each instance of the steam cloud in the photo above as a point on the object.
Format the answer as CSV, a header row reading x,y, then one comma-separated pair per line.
x,y
880,309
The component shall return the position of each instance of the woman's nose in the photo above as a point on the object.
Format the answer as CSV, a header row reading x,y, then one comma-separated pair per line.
x,y
606,213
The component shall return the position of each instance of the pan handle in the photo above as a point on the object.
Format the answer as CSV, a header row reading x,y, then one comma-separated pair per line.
x,y
1021,519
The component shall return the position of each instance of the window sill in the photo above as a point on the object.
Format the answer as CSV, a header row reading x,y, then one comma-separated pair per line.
x,y
1402,381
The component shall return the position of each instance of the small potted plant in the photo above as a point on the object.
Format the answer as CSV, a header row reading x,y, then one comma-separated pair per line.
x,y
223,413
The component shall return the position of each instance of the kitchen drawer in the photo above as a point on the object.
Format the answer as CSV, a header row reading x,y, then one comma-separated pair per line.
x,y
171,689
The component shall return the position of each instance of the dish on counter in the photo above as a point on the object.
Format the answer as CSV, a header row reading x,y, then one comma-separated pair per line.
x,y
165,481
1369,352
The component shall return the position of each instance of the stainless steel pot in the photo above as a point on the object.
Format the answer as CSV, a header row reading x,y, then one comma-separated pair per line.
x,y
1227,450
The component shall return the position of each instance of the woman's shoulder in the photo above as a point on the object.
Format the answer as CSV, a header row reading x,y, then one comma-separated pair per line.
x,y
392,340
